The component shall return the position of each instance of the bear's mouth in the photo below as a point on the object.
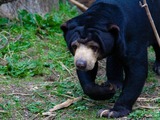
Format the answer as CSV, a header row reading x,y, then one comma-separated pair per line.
x,y
85,55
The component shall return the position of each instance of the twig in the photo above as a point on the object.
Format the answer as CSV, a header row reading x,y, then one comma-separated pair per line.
x,y
142,99
22,94
145,5
147,100
3,46
50,117
18,37
154,99
64,95
4,36
66,69
79,5
46,113
146,107
2,111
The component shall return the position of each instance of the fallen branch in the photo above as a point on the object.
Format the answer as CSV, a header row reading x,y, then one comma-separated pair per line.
x,y
147,100
79,5
65,104
145,5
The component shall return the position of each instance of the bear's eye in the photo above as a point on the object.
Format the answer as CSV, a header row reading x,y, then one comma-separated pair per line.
x,y
74,45
94,48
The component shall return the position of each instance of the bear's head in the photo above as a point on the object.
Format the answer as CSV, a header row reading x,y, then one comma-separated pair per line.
x,y
88,44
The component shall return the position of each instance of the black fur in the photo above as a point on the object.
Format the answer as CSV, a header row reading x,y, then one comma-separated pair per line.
x,y
125,48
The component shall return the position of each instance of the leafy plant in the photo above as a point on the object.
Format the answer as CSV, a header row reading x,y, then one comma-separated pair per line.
x,y
142,114
35,107
34,42
3,22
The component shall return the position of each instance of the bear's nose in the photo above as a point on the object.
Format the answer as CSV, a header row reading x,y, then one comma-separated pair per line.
x,y
81,64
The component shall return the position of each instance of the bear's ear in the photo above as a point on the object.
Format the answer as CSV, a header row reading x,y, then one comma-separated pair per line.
x,y
120,43
64,27
114,29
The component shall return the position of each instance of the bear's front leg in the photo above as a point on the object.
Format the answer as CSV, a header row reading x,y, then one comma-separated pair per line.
x,y
115,71
94,91
136,68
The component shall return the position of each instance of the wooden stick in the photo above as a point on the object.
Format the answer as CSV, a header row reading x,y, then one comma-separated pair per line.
x,y
79,5
140,99
64,95
21,94
145,5
65,104
145,107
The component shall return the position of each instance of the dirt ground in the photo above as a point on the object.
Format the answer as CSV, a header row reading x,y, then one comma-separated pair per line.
x,y
26,92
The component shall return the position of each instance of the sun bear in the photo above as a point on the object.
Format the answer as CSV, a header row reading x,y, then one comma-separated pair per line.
x,y
118,30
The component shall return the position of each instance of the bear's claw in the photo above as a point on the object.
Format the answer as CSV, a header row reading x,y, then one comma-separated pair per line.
x,y
112,113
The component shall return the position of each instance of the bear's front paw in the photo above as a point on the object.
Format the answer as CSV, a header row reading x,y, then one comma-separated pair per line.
x,y
156,67
113,113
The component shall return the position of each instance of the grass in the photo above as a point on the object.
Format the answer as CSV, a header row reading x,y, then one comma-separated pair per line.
x,y
37,72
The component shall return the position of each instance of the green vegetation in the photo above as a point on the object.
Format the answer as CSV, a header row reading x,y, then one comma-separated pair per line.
x,y
35,43
37,71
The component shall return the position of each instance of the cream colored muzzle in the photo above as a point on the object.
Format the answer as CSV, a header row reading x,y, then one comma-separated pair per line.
x,y
85,54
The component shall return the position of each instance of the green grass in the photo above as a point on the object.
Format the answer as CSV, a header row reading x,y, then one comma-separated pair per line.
x,y
37,71
35,44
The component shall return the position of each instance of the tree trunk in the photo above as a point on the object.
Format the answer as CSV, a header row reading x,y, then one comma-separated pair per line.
x,y
9,10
